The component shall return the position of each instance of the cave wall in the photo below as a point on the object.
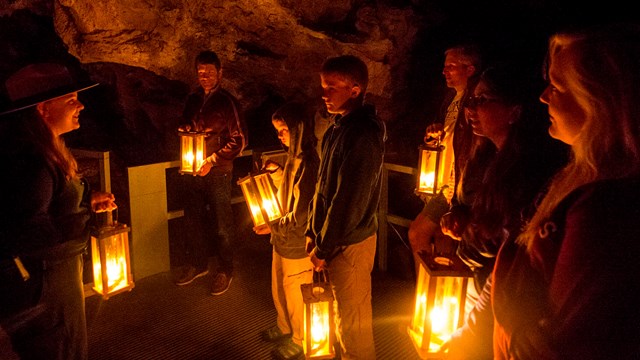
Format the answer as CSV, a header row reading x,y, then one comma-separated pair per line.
x,y
142,52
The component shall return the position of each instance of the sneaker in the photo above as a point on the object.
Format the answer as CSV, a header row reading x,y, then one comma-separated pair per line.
x,y
288,351
274,334
188,274
221,283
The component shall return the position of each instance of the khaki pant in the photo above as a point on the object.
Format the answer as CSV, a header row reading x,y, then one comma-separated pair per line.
x,y
350,277
286,277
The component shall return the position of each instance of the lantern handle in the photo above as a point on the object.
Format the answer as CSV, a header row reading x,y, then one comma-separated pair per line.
x,y
114,216
437,139
320,276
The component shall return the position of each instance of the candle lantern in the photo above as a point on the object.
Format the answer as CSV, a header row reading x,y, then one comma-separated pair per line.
x,y
319,327
430,167
260,195
441,292
110,258
193,151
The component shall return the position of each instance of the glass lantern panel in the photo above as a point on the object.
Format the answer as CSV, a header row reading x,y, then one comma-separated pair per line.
x,y
253,203
187,151
115,267
268,196
192,151
444,315
199,152
317,334
97,265
437,310
431,176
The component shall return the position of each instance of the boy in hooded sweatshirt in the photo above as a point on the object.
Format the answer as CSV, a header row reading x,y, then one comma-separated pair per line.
x,y
290,265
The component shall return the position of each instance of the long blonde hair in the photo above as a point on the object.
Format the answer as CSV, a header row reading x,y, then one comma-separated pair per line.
x,y
603,73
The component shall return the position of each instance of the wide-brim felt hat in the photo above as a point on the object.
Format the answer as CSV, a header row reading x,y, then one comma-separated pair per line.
x,y
40,82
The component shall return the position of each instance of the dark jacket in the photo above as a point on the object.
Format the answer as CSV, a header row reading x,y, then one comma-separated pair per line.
x,y
221,117
42,209
296,185
44,217
344,208
574,294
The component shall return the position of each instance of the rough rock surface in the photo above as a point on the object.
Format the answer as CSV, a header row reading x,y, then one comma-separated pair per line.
x,y
262,45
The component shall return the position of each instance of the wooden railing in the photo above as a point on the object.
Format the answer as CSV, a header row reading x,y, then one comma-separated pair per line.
x,y
384,218
155,199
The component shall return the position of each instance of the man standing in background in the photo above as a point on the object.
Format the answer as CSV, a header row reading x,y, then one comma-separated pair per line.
x,y
208,202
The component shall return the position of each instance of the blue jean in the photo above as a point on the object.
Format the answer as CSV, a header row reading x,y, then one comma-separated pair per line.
x,y
209,220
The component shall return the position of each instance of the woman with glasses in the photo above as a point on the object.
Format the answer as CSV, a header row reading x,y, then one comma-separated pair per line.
x,y
512,160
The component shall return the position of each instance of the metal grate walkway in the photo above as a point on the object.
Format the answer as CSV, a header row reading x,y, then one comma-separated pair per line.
x,y
159,320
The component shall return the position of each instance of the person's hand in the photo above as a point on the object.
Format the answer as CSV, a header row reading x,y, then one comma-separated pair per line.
x,y
102,201
310,244
262,229
270,166
454,223
184,128
205,168
434,131
318,264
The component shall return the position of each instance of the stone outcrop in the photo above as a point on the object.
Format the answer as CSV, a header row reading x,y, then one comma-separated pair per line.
x,y
262,44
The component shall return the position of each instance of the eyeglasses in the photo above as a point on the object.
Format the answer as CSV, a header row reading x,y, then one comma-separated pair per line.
x,y
475,101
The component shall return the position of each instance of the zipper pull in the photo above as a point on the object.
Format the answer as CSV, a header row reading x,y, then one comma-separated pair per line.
x,y
21,268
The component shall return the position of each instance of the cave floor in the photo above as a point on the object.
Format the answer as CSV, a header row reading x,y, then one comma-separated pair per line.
x,y
159,320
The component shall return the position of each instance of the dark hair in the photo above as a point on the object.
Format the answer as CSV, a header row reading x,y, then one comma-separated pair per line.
x,y
208,57
349,66
527,161
513,85
294,113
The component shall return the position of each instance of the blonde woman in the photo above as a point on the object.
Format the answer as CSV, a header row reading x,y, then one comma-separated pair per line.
x,y
567,288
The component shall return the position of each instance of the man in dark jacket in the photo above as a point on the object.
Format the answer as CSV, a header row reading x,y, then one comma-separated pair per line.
x,y
208,201
341,235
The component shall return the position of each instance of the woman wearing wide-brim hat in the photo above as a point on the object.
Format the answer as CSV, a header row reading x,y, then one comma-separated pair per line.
x,y
44,216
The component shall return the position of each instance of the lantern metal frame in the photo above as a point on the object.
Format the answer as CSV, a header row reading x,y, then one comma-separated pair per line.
x,y
110,243
430,177
256,188
318,306
193,151
441,285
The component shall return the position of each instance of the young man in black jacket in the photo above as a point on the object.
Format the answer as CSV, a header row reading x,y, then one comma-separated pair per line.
x,y
341,234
